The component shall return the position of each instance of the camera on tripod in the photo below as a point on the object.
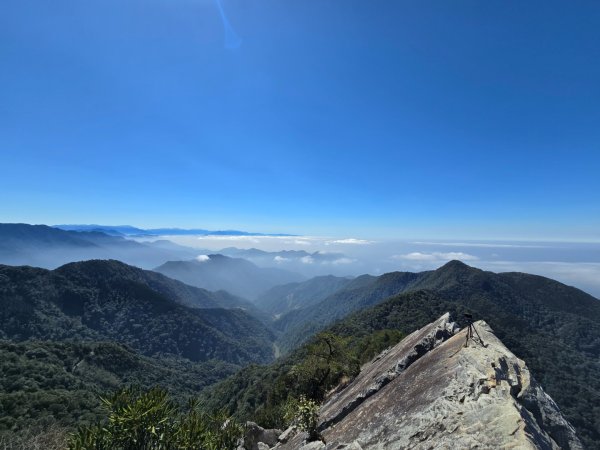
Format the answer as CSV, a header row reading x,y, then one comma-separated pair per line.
x,y
471,330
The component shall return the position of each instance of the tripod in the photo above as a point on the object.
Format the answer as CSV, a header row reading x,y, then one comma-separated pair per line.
x,y
470,330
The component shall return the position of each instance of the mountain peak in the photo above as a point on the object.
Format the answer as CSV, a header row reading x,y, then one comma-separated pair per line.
x,y
98,267
235,275
435,389
455,264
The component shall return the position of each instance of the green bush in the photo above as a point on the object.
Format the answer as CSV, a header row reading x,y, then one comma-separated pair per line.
x,y
150,420
303,413
266,394
327,360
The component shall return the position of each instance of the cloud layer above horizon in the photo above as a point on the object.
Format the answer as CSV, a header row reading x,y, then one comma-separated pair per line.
x,y
575,264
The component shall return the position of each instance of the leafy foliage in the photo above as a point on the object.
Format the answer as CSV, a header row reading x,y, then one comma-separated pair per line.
x,y
150,420
305,414
43,384
326,360
266,394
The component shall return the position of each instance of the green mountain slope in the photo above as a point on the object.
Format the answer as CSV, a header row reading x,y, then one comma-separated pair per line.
x,y
108,300
43,383
364,291
285,298
101,271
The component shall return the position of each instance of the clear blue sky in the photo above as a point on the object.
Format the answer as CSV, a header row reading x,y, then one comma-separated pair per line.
x,y
374,118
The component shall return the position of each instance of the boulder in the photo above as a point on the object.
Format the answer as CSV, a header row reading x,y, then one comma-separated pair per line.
x,y
255,435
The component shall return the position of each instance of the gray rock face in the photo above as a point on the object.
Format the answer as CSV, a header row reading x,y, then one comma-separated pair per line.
x,y
432,392
288,434
258,438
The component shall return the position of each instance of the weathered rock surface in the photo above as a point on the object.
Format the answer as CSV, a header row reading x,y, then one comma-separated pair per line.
x,y
258,438
432,392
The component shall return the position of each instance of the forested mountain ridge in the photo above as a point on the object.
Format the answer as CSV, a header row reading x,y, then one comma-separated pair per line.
x,y
287,297
515,290
108,300
103,271
361,292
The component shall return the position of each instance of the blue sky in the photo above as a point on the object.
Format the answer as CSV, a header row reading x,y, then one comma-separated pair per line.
x,y
387,118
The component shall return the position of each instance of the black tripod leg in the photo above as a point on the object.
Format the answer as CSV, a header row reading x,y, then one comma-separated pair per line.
x,y
479,337
468,333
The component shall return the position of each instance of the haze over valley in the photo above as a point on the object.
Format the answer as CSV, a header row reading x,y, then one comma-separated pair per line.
x,y
292,257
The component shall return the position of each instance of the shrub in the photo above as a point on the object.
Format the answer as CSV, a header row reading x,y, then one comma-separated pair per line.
x,y
304,413
151,421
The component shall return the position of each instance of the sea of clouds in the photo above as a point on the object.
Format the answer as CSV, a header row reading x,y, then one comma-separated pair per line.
x,y
576,264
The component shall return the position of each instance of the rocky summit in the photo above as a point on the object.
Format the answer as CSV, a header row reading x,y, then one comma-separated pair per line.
x,y
437,389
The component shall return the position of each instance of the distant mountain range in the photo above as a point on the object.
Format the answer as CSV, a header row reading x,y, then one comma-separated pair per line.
x,y
128,230
49,247
236,275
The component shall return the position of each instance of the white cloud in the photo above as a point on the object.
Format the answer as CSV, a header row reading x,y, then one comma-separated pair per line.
x,y
307,260
253,239
338,261
436,256
202,258
351,241
480,244
343,261
280,259
416,256
299,242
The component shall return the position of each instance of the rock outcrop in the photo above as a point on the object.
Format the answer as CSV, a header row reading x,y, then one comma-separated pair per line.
x,y
256,435
431,391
